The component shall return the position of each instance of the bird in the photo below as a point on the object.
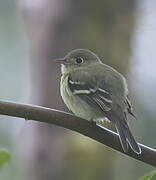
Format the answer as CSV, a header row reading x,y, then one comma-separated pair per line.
x,y
96,92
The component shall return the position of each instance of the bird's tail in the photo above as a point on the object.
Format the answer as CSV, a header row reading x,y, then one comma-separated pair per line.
x,y
126,137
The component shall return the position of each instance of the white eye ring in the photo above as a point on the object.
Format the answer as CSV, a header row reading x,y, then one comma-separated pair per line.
x,y
79,60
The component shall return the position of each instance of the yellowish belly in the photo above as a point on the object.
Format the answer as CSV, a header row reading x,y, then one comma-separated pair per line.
x,y
79,107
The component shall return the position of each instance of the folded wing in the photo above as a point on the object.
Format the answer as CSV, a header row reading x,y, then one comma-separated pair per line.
x,y
86,90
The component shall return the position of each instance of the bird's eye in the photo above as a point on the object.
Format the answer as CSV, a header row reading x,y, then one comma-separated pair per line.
x,y
79,60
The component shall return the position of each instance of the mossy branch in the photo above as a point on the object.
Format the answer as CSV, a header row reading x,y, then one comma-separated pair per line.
x,y
68,121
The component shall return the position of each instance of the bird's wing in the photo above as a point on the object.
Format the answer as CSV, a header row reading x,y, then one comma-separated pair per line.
x,y
85,87
129,107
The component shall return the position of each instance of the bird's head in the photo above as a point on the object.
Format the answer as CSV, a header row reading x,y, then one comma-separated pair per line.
x,y
78,58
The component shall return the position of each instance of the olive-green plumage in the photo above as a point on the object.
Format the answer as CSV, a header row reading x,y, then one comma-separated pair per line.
x,y
96,92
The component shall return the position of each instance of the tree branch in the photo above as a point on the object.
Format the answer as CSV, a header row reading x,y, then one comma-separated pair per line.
x,y
68,121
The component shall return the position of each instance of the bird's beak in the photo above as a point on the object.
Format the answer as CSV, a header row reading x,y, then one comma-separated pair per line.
x,y
60,60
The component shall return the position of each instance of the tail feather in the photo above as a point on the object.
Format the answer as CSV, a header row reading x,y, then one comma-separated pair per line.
x,y
122,137
126,137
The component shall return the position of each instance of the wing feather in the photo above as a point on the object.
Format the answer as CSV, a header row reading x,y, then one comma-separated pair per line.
x,y
96,97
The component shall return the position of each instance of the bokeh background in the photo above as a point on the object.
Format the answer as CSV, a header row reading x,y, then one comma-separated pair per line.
x,y
32,33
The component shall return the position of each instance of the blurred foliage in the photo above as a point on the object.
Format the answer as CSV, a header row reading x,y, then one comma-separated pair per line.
x,y
108,27
5,157
88,160
14,86
149,176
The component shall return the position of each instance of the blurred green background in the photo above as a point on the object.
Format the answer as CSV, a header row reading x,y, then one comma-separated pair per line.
x,y
32,33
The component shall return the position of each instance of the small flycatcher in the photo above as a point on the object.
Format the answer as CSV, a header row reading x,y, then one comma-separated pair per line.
x,y
95,91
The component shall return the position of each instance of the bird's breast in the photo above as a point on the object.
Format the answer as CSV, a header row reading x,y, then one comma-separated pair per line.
x,y
66,92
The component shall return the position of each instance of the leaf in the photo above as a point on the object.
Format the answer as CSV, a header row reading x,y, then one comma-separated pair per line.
x,y
5,157
150,176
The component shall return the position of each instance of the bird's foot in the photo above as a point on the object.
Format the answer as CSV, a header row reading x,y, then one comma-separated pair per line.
x,y
93,122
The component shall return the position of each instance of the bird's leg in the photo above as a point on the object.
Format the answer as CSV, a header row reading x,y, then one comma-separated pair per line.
x,y
93,122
